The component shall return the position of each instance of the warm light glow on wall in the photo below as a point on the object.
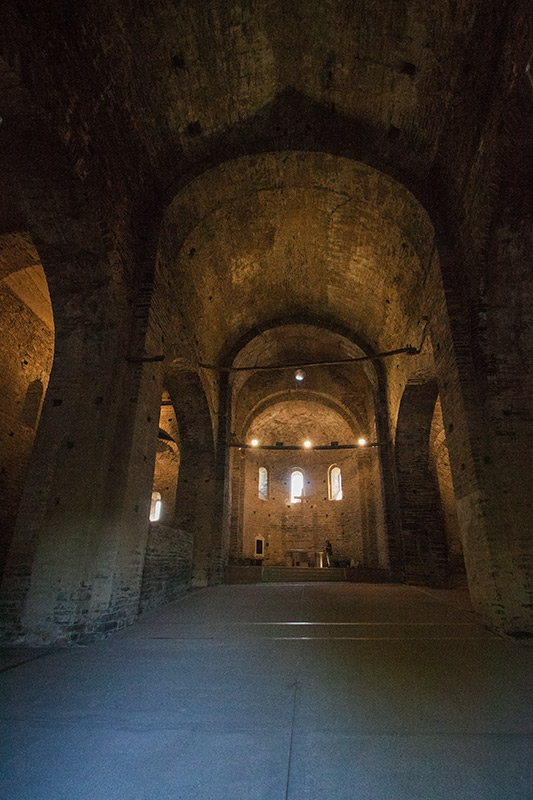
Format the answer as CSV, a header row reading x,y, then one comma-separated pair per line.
x,y
307,443
299,375
361,441
254,442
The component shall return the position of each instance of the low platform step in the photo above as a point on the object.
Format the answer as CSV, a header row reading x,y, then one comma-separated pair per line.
x,y
293,574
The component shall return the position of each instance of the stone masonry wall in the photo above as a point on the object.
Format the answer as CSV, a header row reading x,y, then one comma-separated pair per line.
x,y
308,524
167,566
26,352
439,462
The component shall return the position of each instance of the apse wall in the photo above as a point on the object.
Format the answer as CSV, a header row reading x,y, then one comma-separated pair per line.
x,y
305,526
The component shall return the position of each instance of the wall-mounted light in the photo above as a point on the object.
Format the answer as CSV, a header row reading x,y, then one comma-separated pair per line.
x,y
254,442
307,444
361,441
299,375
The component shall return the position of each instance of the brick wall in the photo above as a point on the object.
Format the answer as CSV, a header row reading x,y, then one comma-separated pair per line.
x,y
306,525
26,352
167,566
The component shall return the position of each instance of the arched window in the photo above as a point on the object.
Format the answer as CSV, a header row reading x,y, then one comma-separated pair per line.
x,y
297,486
335,483
32,403
155,508
263,484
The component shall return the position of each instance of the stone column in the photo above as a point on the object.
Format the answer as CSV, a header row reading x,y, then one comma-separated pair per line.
x,y
487,412
76,560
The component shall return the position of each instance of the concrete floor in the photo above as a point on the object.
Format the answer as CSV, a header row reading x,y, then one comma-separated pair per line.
x,y
277,692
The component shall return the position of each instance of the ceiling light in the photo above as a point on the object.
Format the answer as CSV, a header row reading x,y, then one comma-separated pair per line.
x,y
307,443
361,442
299,375
254,442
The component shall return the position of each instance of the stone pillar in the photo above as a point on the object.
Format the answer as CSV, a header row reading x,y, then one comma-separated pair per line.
x,y
236,501
195,508
221,521
76,560
388,483
487,412
505,450
375,540
424,540
195,496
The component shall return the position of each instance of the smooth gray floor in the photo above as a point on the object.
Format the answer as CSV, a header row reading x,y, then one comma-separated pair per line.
x,y
278,692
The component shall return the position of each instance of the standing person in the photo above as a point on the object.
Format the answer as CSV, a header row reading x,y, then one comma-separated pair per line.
x,y
328,552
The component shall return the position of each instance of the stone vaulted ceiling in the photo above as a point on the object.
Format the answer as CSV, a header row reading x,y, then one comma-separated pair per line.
x,y
149,97
296,235
178,72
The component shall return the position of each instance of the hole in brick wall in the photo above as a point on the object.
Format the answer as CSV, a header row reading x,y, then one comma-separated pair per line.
x,y
178,62
194,129
407,68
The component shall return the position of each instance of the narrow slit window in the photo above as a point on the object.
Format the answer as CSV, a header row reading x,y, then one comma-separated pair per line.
x,y
155,507
335,483
263,484
297,486
259,546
